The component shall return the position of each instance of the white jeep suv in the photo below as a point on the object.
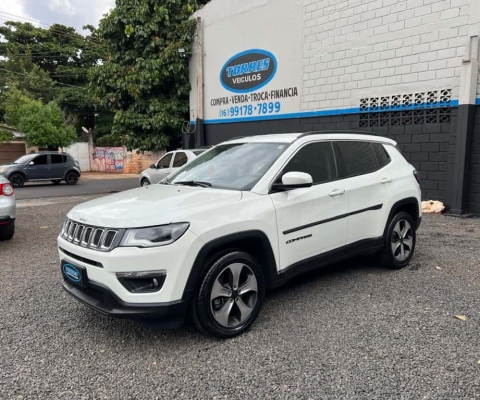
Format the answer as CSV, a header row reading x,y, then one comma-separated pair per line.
x,y
244,217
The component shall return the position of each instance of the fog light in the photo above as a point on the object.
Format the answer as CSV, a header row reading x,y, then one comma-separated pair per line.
x,y
142,282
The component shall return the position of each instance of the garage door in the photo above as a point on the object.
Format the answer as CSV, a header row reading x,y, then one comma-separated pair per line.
x,y
11,151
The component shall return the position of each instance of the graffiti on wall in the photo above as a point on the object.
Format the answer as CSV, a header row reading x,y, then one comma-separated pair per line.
x,y
109,159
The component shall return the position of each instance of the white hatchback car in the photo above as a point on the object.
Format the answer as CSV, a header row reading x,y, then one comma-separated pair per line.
x,y
242,218
168,164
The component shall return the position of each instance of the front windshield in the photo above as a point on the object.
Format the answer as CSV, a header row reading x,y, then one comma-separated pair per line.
x,y
23,159
237,166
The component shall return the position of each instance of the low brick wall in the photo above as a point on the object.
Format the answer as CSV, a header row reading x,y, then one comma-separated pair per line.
x,y
135,163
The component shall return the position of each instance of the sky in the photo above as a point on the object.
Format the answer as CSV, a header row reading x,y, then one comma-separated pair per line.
x,y
74,13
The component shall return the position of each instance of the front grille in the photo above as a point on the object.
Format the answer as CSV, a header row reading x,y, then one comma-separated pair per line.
x,y
92,237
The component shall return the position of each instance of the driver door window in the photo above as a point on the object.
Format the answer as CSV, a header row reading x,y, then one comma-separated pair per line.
x,y
165,161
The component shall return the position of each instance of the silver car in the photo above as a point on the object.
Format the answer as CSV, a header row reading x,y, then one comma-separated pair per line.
x,y
168,164
7,209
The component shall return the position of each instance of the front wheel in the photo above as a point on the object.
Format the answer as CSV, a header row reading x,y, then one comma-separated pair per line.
x,y
145,182
230,296
17,180
71,178
400,240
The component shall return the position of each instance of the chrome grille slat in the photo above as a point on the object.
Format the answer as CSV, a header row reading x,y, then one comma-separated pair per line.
x,y
95,238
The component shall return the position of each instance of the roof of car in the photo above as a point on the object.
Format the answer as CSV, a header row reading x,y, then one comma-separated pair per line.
x,y
324,135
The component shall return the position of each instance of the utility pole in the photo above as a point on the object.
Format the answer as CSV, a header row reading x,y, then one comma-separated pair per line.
x,y
200,136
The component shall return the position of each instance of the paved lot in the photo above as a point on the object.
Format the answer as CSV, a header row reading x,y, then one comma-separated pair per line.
x,y
84,187
352,332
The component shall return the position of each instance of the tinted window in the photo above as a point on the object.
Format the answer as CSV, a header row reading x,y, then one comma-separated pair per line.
x,y
58,159
180,159
40,160
356,158
383,157
165,161
316,159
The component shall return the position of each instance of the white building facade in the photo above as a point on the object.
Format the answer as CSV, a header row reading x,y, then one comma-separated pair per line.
x,y
406,69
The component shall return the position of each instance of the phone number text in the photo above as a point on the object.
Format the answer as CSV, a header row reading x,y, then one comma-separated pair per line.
x,y
257,109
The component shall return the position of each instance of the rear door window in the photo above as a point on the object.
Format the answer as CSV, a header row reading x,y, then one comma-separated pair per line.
x,y
355,158
58,159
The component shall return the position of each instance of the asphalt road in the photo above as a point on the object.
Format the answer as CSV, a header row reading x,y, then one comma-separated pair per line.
x,y
83,187
355,331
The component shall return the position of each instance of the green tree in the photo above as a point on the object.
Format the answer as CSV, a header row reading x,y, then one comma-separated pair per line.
x,y
15,99
5,136
143,79
44,125
52,64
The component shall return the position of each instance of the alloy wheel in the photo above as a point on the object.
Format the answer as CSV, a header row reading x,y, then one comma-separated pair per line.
x,y
234,295
402,240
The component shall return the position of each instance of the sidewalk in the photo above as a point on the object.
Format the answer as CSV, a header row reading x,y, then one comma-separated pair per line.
x,y
91,176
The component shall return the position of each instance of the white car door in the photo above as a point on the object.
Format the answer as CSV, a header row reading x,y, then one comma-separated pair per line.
x,y
311,221
163,168
367,185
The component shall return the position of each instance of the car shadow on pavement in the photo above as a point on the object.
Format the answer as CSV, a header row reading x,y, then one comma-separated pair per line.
x,y
127,331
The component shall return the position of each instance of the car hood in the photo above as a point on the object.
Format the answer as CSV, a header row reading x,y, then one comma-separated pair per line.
x,y
8,166
151,205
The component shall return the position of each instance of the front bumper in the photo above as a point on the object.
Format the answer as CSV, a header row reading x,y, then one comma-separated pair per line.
x,y
102,299
107,294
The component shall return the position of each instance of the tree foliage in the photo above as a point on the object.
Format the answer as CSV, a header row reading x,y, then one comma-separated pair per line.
x,y
143,80
5,135
52,64
44,125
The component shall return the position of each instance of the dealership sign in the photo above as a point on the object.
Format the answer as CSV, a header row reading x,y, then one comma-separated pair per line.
x,y
248,71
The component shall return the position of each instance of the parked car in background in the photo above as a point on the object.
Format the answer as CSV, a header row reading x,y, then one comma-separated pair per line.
x,y
7,210
44,166
168,164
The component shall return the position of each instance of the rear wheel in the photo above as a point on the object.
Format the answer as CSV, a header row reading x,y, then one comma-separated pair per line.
x,y
7,233
230,296
71,178
17,180
400,240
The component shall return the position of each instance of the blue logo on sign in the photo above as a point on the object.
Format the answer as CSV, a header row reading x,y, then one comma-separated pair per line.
x,y
248,71
72,273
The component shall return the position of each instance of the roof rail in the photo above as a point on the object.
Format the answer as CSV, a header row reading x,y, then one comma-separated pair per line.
x,y
353,132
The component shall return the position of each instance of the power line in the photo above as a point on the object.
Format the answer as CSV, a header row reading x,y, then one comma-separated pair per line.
x,y
58,83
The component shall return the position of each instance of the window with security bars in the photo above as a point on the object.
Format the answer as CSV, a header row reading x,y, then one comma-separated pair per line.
x,y
431,107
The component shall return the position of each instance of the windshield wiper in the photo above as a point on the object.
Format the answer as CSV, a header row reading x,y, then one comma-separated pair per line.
x,y
194,183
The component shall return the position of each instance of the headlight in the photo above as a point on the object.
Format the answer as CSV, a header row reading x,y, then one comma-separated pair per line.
x,y
2,170
154,236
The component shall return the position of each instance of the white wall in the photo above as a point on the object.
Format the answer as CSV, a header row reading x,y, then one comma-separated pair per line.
x,y
79,151
361,48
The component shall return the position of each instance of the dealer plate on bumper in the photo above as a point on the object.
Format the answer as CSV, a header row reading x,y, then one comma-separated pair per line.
x,y
74,273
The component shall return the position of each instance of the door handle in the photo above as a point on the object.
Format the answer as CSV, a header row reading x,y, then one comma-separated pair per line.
x,y
385,180
337,192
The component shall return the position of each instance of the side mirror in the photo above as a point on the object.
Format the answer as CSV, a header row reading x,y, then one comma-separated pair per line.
x,y
31,163
294,180
153,166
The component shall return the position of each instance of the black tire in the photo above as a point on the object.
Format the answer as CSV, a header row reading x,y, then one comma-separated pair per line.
x,y
389,258
56,181
7,233
203,305
71,178
145,182
17,180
